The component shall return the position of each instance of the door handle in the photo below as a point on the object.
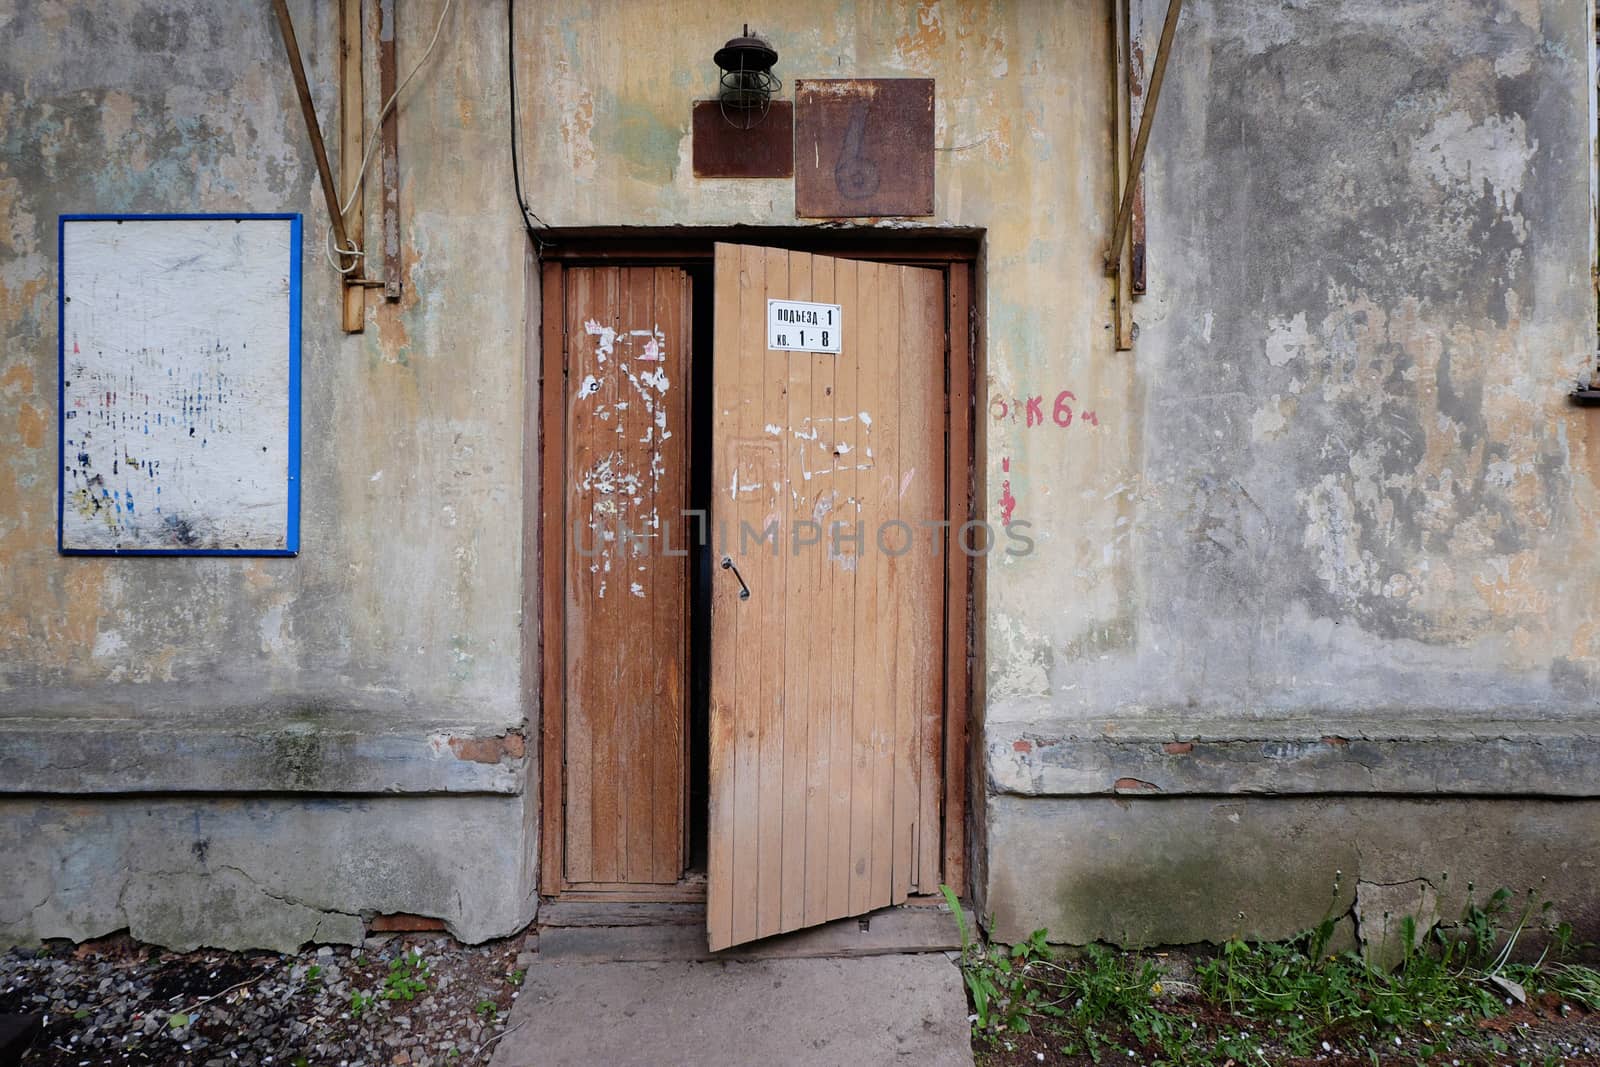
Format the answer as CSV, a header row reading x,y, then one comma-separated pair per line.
x,y
744,590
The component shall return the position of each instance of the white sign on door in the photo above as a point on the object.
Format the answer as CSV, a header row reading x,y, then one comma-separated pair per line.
x,y
801,326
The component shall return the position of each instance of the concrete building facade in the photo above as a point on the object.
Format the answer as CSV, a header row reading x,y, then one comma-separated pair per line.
x,y
1312,619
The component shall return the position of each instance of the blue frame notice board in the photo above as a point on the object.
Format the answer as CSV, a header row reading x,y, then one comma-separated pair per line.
x,y
179,392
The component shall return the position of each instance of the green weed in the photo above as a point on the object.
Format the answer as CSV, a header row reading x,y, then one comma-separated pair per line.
x,y
1013,988
408,975
1308,999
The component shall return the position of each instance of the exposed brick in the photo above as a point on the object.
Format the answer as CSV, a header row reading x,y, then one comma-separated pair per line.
x,y
477,749
1335,741
488,749
1135,785
402,922
1022,746
117,944
1178,748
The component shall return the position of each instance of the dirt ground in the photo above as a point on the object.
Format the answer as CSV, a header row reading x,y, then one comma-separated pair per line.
x,y
117,1002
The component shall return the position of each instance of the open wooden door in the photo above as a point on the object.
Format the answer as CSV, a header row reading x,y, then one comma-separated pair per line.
x,y
828,505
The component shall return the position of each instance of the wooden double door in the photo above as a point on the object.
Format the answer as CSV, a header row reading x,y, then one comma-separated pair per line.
x,y
827,558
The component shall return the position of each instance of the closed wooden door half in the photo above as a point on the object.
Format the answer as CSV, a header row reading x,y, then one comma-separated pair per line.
x,y
627,343
826,688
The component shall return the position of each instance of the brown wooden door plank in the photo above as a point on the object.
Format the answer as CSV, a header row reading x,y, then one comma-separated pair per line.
x,y
884,628
601,646
552,569
581,584
745,406
769,574
959,579
721,876
923,505
633,741
863,338
842,569
798,606
817,498
907,571
625,663
669,575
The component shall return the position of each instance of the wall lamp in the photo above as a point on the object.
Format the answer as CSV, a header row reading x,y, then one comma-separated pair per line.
x,y
746,79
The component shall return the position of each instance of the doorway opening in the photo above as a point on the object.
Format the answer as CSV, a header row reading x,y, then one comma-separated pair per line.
x,y
631,441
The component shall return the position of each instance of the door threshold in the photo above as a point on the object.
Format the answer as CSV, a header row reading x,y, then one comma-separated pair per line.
x,y
585,932
564,912
689,890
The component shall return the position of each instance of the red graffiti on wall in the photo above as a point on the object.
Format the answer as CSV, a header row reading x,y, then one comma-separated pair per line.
x,y
1008,503
1031,411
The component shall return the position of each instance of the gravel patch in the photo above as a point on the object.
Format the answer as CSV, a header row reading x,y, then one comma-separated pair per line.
x,y
419,1000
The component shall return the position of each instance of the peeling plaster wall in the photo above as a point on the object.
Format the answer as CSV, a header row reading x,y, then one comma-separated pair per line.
x,y
1335,491
404,600
1020,131
1346,537
1350,484
1186,870
386,658
262,872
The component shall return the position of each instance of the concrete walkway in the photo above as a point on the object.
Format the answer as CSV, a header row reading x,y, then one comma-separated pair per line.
x,y
870,1010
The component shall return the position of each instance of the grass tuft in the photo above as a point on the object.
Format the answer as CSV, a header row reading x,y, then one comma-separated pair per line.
x,y
1254,1001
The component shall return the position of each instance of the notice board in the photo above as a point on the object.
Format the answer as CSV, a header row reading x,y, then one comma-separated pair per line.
x,y
179,420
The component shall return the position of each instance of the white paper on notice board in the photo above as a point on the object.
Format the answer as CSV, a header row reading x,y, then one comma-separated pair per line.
x,y
179,379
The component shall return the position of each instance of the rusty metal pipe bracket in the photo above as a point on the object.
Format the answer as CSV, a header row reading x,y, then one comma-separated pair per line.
x,y
1119,232
308,109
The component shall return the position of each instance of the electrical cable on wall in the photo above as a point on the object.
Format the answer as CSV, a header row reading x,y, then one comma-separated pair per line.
x,y
354,252
529,216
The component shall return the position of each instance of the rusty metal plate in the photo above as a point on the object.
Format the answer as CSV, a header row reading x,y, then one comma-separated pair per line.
x,y
722,150
864,146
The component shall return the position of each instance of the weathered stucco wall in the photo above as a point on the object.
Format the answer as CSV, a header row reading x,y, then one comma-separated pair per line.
x,y
1331,527
1185,870
1356,486
404,599
1020,130
1355,548
259,872
385,658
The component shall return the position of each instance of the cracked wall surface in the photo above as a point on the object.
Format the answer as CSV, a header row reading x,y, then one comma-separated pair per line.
x,y
1183,870
269,873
